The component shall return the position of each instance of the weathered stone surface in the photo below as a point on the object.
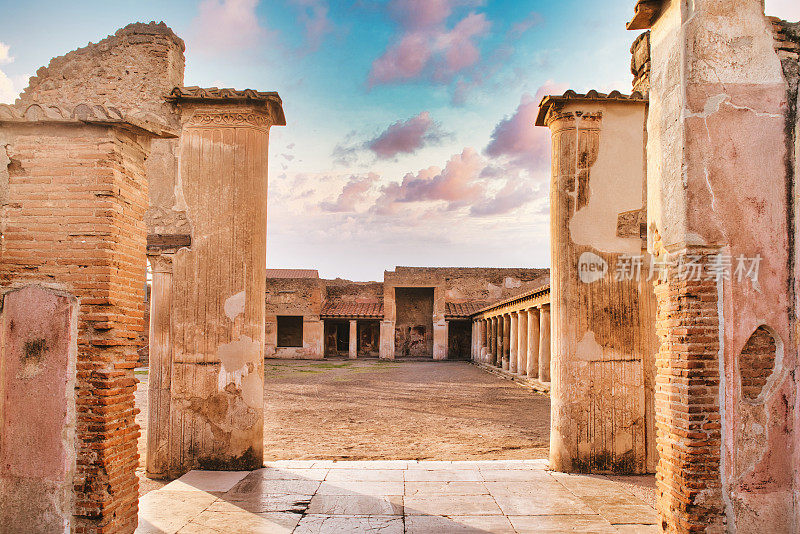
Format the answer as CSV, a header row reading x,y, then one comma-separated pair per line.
x,y
602,336
39,346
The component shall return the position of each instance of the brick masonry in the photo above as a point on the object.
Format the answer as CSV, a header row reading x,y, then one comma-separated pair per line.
x,y
73,219
687,404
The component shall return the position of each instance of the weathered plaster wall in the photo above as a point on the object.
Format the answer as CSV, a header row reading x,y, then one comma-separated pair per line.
x,y
601,337
719,182
451,284
39,346
414,322
295,296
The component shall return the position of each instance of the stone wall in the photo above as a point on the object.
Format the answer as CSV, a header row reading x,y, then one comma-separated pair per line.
x,y
295,296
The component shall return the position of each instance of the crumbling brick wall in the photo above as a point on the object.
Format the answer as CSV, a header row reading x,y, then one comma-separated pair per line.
x,y
135,68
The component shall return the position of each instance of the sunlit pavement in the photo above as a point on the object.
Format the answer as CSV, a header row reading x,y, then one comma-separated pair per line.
x,y
393,497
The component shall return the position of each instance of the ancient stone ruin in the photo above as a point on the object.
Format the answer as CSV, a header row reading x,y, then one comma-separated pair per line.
x,y
666,334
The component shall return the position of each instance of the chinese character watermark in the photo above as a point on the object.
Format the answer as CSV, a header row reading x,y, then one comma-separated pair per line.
x,y
689,267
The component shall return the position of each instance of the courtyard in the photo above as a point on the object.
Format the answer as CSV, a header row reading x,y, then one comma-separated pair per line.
x,y
386,446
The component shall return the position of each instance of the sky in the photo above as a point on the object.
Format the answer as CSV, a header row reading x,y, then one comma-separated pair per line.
x,y
409,136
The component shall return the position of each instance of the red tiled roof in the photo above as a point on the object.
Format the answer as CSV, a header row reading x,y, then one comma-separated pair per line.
x,y
462,309
292,273
353,309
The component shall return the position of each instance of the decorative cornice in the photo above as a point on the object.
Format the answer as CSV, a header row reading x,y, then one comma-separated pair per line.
x,y
213,95
591,97
224,118
87,114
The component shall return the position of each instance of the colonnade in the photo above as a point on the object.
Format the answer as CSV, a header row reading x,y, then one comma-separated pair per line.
x,y
515,335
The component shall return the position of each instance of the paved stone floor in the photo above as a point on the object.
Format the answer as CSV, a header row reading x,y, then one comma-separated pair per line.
x,y
394,496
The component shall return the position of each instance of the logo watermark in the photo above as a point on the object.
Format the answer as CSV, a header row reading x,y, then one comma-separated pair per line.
x,y
687,267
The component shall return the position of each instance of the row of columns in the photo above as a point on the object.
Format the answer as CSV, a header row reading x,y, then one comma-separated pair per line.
x,y
516,341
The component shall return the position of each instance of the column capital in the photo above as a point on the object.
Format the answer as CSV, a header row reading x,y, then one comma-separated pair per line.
x,y
204,107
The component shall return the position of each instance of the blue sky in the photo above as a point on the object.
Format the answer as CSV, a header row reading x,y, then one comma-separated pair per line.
x,y
409,138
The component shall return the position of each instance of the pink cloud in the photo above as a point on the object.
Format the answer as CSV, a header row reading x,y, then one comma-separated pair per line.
x,y
314,17
513,195
404,137
353,192
402,61
425,47
457,184
417,14
460,51
517,139
225,25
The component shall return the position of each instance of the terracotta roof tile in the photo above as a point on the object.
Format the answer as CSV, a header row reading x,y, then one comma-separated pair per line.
x,y
292,273
353,309
462,309
548,101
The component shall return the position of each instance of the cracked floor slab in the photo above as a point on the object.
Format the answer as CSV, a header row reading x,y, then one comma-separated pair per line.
x,y
514,496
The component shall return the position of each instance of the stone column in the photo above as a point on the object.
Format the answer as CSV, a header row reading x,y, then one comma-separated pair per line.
x,y
532,367
217,406
160,364
353,354
500,328
506,340
513,343
484,339
544,344
597,202
522,343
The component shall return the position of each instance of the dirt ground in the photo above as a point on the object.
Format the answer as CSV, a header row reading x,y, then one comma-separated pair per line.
x,y
369,409
362,410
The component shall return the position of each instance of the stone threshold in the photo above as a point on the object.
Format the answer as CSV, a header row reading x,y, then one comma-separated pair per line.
x,y
531,383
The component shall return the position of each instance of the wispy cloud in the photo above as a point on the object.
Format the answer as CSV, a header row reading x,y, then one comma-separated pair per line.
x,y
313,15
10,86
406,137
516,140
225,26
353,193
426,47
401,137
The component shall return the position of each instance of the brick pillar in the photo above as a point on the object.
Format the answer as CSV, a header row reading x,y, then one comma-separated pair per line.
x,y
218,283
77,182
532,368
39,345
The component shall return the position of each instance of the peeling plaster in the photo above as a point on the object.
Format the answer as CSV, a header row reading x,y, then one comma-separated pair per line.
x,y
588,349
234,305
234,357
